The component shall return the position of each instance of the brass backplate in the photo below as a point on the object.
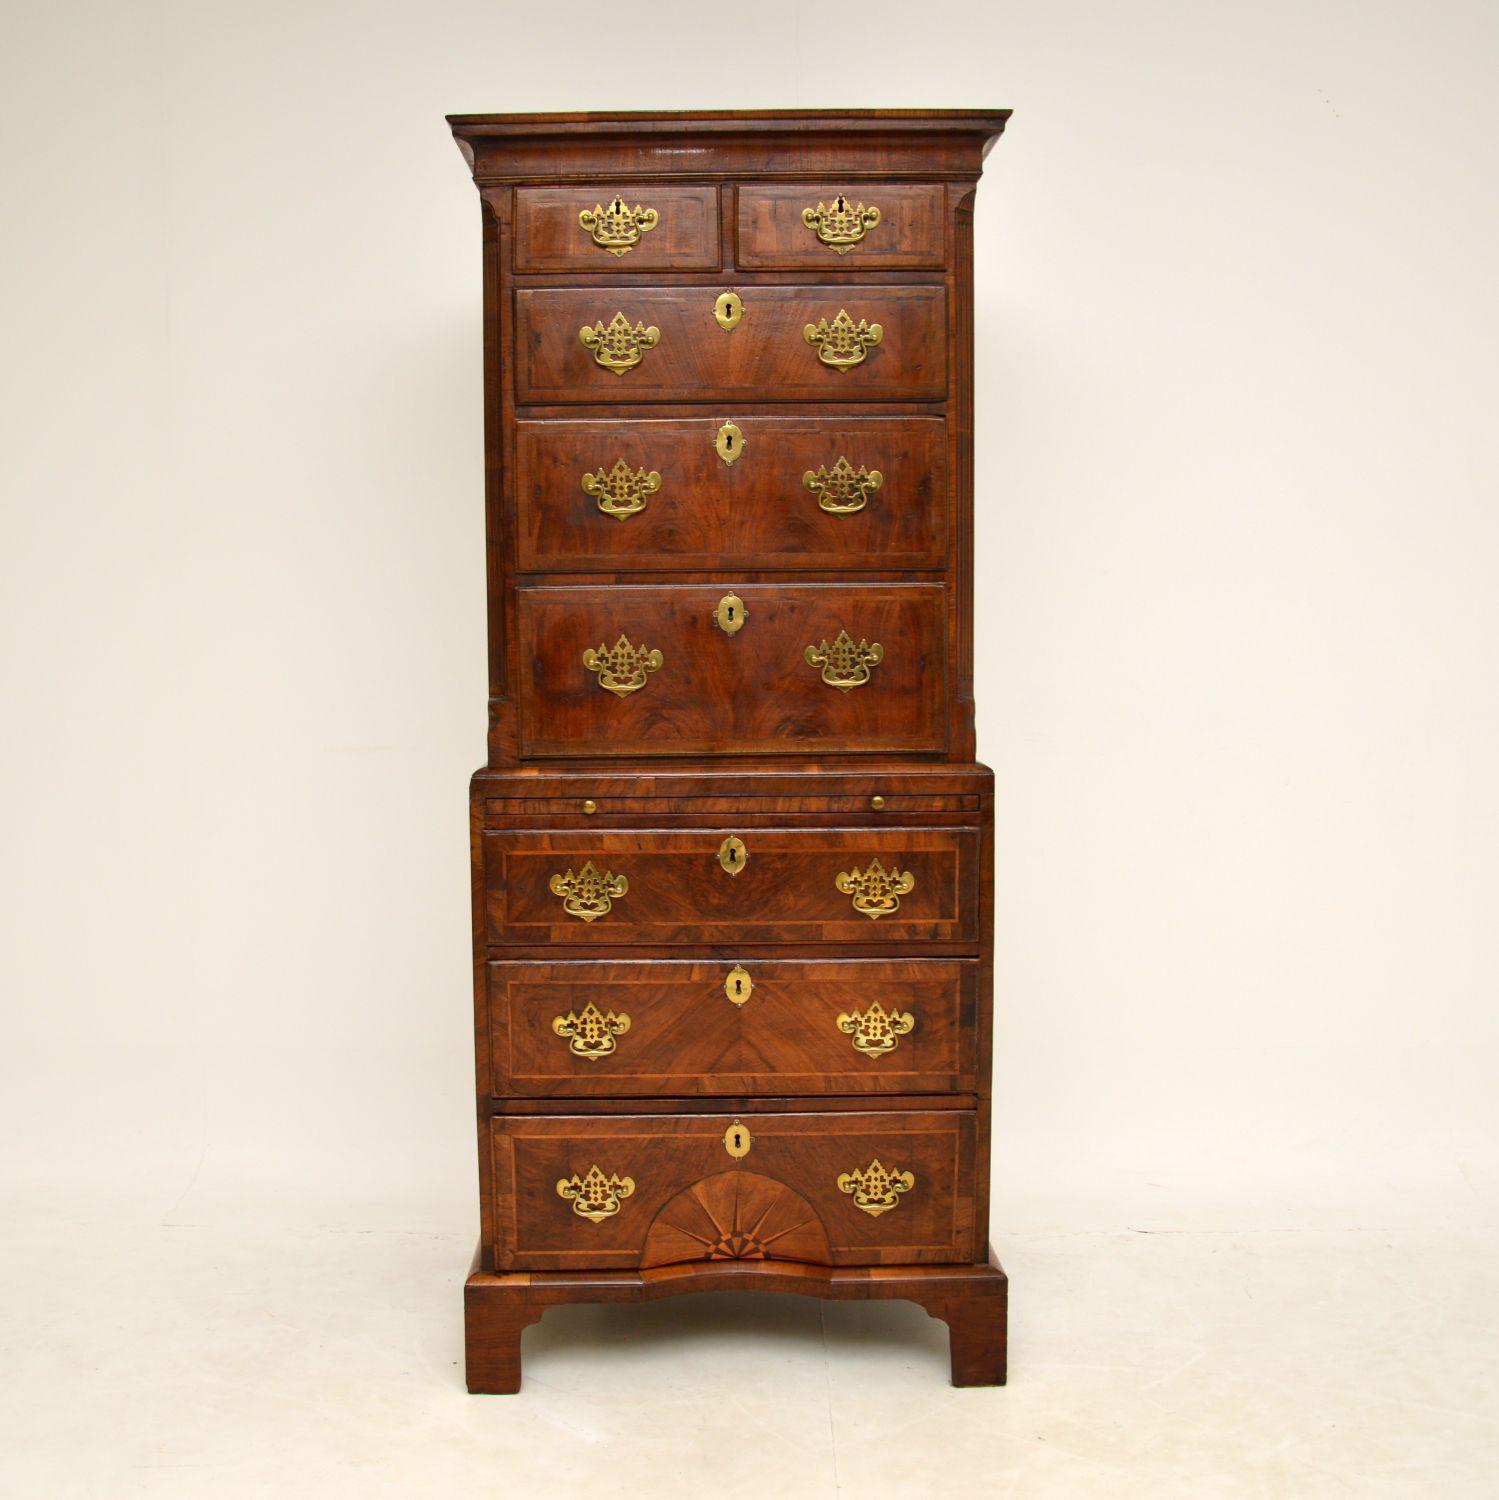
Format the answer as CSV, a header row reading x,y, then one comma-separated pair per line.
x,y
732,854
737,984
737,1140
728,442
730,614
728,311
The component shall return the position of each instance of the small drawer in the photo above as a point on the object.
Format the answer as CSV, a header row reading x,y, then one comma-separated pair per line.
x,y
877,227
893,1187
732,668
764,1026
878,886
609,228
732,490
795,343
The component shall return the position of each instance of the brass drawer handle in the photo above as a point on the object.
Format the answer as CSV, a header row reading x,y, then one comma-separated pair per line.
x,y
622,668
875,1031
875,1189
588,895
590,1033
842,343
876,891
617,228
844,664
595,1197
843,489
621,492
619,347
842,226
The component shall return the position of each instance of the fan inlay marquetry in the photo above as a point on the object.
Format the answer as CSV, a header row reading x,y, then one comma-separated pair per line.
x,y
736,1216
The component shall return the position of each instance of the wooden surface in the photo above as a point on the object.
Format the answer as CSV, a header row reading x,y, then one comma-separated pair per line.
x,y
754,514
667,1154
548,236
767,353
772,234
734,734
687,1035
787,891
752,692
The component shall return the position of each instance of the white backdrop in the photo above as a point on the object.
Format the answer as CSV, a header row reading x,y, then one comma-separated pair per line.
x,y
1238,647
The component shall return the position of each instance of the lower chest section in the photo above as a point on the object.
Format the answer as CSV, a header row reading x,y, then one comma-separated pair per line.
x,y
733,1015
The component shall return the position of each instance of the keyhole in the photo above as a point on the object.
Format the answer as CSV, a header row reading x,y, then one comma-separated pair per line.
x,y
733,852
728,442
738,1139
738,986
842,204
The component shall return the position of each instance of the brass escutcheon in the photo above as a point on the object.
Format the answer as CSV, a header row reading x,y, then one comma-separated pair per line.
x,y
732,854
737,1140
728,442
728,311
730,614
737,984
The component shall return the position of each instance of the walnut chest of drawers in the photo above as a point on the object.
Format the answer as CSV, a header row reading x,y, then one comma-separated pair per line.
x,y
733,931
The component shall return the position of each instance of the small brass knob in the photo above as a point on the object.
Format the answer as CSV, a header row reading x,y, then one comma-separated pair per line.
x,y
590,806
876,803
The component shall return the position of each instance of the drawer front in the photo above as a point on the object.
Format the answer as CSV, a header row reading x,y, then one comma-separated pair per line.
x,y
608,228
881,886
882,1188
635,343
796,493
649,670
773,1027
878,227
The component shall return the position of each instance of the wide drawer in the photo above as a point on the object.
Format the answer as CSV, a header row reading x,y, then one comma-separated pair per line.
x,y
796,493
631,343
882,886
764,1026
879,1188
603,228
877,227
648,670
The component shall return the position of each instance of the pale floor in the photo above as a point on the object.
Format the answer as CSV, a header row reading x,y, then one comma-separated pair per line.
x,y
196,1362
